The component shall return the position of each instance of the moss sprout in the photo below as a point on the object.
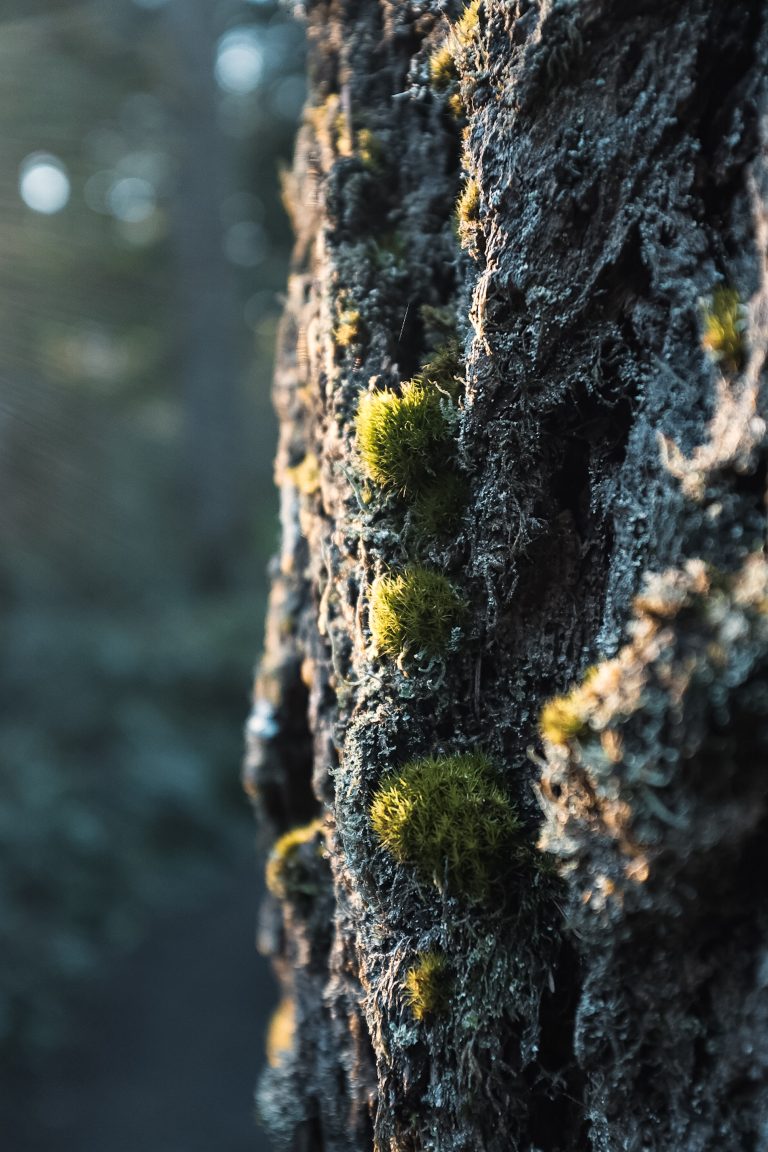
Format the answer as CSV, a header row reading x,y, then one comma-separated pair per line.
x,y
724,323
457,106
404,439
426,985
444,72
448,817
414,613
281,1032
468,212
287,874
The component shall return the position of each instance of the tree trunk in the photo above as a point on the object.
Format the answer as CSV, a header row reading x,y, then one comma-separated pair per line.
x,y
599,982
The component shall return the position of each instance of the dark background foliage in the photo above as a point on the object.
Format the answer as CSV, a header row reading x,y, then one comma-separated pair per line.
x,y
143,249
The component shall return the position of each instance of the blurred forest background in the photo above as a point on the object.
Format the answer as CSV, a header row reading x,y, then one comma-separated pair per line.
x,y
143,249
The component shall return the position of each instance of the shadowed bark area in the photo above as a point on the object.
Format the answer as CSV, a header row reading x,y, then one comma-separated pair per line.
x,y
608,295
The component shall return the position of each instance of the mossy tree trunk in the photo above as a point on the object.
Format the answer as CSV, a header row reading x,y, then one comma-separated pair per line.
x,y
607,987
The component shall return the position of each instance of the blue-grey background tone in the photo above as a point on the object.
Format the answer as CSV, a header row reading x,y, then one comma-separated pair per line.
x,y
142,252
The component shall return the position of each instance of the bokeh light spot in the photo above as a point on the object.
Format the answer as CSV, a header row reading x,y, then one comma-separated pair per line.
x,y
132,199
239,61
43,183
245,244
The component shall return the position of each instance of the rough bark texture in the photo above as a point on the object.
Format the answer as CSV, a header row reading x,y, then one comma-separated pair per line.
x,y
616,517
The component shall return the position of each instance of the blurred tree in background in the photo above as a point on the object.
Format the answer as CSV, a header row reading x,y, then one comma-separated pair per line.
x,y
142,245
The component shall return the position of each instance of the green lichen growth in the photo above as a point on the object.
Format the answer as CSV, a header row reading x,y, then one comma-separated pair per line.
x,y
287,874
437,510
448,817
414,613
468,212
723,328
404,439
426,986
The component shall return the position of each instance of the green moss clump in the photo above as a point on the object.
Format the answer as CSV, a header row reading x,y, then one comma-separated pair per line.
x,y
413,613
404,440
436,512
724,323
448,817
287,875
426,985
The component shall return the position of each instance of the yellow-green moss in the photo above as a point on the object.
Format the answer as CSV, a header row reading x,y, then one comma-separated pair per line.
x,y
286,875
369,149
426,985
465,28
723,328
443,73
404,439
413,612
566,718
281,1031
562,719
348,328
449,818
306,475
457,105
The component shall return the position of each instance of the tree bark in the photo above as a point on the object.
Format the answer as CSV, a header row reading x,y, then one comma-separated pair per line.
x,y
614,448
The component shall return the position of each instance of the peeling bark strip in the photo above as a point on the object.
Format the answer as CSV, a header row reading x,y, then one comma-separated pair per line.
x,y
521,899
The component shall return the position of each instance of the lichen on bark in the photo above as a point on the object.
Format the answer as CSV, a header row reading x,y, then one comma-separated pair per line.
x,y
614,995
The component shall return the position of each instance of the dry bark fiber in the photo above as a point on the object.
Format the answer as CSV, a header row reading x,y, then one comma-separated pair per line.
x,y
552,218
